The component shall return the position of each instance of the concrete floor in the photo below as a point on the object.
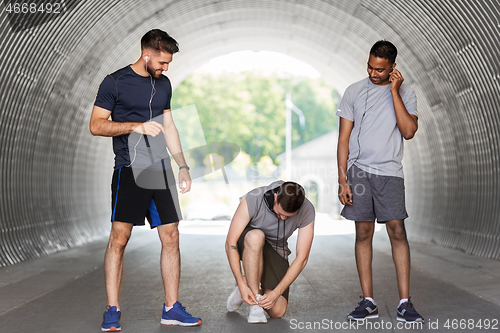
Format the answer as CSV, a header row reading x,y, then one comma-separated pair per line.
x,y
64,292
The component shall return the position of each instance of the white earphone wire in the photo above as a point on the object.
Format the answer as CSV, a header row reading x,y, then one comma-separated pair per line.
x,y
153,92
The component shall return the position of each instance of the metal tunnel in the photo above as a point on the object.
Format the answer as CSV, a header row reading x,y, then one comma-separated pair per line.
x,y
55,177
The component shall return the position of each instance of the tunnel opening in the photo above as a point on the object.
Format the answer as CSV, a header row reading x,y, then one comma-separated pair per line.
x,y
241,98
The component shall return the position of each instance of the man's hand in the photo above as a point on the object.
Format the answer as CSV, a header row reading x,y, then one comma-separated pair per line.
x,y
396,80
247,294
184,180
269,300
150,128
345,193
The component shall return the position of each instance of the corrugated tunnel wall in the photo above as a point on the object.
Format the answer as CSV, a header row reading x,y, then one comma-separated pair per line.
x,y
55,177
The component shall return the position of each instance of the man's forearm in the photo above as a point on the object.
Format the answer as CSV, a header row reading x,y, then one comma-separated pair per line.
x,y
406,124
104,127
174,145
234,262
342,156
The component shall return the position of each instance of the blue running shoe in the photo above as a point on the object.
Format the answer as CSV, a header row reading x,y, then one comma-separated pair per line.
x,y
111,320
365,310
407,313
178,315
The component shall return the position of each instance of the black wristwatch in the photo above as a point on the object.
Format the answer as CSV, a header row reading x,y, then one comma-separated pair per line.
x,y
184,167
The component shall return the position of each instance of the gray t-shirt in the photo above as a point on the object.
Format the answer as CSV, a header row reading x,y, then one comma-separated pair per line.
x,y
375,145
277,231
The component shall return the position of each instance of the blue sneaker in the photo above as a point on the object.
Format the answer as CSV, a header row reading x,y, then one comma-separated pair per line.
x,y
111,320
365,310
407,313
178,315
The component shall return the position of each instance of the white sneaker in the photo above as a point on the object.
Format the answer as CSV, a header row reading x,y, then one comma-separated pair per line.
x,y
256,314
234,300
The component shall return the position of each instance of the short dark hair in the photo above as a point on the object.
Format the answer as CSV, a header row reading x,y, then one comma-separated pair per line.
x,y
159,41
291,196
384,49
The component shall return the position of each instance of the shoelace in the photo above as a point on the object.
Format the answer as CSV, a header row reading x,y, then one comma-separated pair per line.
x,y
110,315
255,307
408,304
183,309
362,301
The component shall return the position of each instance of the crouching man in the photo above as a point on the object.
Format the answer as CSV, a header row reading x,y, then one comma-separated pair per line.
x,y
264,220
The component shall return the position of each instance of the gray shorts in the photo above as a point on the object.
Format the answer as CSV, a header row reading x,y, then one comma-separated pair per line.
x,y
375,197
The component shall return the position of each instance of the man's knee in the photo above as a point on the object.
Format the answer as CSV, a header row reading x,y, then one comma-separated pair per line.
x,y
277,314
364,231
169,234
119,236
118,242
254,239
397,231
398,236
279,309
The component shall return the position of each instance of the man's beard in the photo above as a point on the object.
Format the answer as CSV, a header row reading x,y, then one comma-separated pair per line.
x,y
154,74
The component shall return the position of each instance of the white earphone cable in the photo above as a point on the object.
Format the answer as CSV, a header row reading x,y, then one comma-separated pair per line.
x,y
153,92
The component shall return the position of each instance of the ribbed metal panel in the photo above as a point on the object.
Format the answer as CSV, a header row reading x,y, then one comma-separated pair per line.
x,y
55,177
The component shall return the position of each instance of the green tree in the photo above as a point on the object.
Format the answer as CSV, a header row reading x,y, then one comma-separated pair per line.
x,y
318,101
249,110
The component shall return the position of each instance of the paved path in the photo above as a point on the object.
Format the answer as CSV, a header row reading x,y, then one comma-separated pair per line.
x,y
65,292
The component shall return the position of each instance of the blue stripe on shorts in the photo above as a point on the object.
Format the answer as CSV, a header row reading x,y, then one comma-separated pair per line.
x,y
155,217
116,197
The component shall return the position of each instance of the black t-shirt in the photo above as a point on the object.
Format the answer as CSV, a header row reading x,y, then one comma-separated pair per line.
x,y
127,94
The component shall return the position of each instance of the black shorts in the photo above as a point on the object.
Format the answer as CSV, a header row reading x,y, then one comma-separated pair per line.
x,y
275,266
132,203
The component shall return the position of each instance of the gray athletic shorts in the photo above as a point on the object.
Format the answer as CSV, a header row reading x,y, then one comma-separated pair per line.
x,y
375,197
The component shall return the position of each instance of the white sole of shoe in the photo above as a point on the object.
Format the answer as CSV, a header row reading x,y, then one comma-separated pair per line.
x,y
257,320
406,321
367,317
112,329
178,323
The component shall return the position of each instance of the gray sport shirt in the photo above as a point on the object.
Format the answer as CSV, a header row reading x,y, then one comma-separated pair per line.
x,y
277,231
375,144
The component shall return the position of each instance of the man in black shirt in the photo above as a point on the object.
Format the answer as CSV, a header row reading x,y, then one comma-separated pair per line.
x,y
136,97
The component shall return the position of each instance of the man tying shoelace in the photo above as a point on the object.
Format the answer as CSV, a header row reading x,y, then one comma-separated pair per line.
x,y
264,220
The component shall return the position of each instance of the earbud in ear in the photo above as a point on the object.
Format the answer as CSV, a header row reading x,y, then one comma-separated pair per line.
x,y
147,58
